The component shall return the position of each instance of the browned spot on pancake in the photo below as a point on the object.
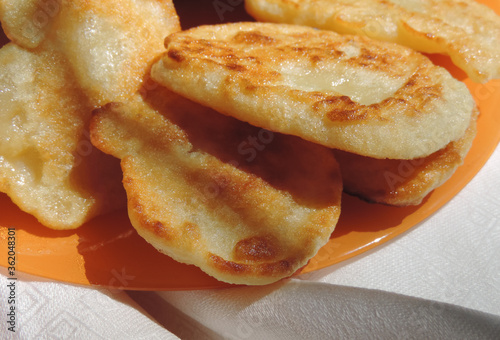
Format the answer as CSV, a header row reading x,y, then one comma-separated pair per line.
x,y
342,109
256,248
253,37
165,232
132,201
159,229
418,86
175,55
235,67
192,231
278,268
281,268
411,82
228,266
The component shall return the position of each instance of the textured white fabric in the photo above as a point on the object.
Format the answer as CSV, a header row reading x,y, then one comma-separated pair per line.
x,y
310,310
50,310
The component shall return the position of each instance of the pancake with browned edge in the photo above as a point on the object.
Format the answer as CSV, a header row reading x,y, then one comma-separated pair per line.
x,y
467,31
403,182
86,54
371,98
48,166
244,204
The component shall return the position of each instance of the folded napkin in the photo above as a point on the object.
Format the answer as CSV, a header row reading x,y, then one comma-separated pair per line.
x,y
50,310
309,310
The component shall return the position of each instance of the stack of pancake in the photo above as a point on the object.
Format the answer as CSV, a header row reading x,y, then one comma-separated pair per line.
x,y
235,140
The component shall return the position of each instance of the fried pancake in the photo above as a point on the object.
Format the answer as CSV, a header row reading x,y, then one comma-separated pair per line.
x,y
246,205
26,21
467,31
110,44
88,53
403,182
351,93
48,166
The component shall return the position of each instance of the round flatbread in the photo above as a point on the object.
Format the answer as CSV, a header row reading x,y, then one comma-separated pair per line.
x,y
48,166
403,182
466,30
351,93
244,204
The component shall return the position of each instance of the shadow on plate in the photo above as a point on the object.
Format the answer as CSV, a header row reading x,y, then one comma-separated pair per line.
x,y
12,216
360,216
115,256
445,61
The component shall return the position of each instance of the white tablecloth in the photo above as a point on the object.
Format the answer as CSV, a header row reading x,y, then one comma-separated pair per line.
x,y
440,280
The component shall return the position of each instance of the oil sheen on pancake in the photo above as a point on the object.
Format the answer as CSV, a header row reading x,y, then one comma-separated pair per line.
x,y
110,44
467,31
351,93
403,182
48,166
244,204
88,53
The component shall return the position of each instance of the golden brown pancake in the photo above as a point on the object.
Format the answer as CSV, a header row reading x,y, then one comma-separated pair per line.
x,y
403,182
244,204
109,44
23,20
87,54
351,93
48,166
465,30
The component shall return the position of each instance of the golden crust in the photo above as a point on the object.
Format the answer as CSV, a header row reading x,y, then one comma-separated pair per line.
x,y
48,166
403,182
109,44
23,21
371,98
244,204
465,30
86,54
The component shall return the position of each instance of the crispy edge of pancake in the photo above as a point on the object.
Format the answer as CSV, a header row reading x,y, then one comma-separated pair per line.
x,y
403,182
48,167
265,234
234,69
466,35
22,21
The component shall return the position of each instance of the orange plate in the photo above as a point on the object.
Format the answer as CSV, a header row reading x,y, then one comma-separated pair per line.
x,y
108,252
